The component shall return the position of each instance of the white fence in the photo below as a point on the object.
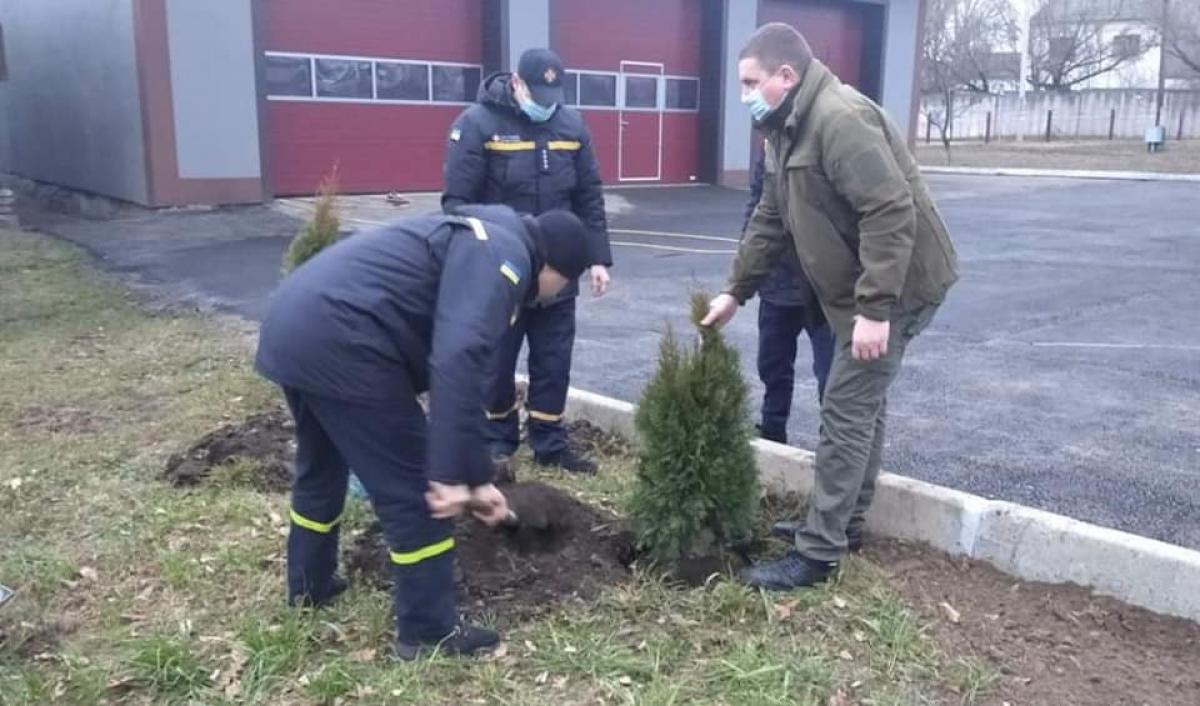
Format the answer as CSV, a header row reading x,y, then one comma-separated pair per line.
x,y
1093,114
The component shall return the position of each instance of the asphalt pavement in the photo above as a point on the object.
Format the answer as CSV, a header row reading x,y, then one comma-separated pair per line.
x,y
1063,371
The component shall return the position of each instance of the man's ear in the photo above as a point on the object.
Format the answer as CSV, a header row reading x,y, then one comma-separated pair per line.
x,y
788,73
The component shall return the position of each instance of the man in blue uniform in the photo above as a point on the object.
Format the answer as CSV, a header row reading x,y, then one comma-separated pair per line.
x,y
520,146
353,336
787,307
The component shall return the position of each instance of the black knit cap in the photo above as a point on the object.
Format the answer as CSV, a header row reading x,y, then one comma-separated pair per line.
x,y
562,242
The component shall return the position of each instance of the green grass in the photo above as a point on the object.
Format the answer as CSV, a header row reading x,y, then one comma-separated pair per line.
x,y
168,666
135,592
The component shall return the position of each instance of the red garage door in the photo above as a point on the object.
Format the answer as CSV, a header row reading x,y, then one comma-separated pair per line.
x,y
834,29
368,87
633,69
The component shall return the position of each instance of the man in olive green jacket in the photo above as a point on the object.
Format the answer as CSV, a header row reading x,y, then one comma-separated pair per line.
x,y
844,192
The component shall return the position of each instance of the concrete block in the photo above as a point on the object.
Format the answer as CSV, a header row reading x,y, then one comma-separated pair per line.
x,y
1042,546
911,509
610,415
783,469
1026,543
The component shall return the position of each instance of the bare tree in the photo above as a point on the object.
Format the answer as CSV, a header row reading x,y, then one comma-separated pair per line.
x,y
1069,41
961,38
1182,36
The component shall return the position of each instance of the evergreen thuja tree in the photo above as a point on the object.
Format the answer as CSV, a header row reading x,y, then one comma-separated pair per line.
x,y
697,484
319,233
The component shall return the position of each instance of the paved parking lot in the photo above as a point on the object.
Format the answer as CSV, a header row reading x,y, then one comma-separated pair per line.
x,y
1063,372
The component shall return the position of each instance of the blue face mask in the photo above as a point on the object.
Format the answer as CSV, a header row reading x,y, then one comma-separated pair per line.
x,y
537,112
759,107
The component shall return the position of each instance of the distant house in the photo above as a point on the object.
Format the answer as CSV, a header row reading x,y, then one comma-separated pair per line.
x,y
1001,70
1101,44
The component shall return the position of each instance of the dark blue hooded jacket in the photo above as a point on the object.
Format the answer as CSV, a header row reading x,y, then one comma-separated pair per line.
x,y
496,154
418,304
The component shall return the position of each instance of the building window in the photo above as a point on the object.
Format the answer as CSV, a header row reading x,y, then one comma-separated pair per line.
x,y
597,90
343,78
641,92
401,82
571,87
683,94
289,76
1127,46
455,84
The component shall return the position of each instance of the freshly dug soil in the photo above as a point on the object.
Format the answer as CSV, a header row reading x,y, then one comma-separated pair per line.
x,y
263,440
588,439
693,572
1053,644
563,550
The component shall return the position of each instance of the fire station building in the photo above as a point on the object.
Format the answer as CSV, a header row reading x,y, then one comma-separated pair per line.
x,y
168,102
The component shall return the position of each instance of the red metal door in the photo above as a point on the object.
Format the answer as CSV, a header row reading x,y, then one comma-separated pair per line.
x,y
641,133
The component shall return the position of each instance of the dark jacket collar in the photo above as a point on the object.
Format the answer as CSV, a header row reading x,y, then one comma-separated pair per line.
x,y
816,79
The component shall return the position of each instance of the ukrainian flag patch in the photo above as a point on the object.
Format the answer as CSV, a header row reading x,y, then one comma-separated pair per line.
x,y
511,272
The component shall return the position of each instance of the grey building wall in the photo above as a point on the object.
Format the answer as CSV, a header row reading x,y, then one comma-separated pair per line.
x,y
901,33
213,93
71,102
741,19
526,26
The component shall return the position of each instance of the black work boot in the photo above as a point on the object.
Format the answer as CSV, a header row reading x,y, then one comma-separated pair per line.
x,y
464,641
337,586
779,437
787,529
792,571
569,461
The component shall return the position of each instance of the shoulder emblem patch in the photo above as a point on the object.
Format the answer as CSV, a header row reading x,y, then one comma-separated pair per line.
x,y
510,272
455,135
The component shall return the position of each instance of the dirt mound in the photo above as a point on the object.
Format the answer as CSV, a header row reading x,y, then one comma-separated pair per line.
x,y
256,452
1052,644
589,439
562,550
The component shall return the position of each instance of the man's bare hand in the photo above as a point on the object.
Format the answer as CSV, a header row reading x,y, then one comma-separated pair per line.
x,y
720,310
446,501
870,340
600,280
489,505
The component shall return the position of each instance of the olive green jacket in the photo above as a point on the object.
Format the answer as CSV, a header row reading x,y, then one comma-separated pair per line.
x,y
843,189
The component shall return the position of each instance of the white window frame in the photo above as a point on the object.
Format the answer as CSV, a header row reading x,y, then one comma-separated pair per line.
x,y
312,68
618,93
428,80
693,79
312,64
659,93
662,91
656,111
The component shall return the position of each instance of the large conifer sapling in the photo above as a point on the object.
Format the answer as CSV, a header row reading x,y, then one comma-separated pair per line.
x,y
697,486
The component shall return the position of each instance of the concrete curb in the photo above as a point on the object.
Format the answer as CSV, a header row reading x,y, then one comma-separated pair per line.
x,y
1064,173
1021,541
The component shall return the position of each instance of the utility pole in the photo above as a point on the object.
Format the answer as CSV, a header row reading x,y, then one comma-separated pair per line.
x,y
1162,61
1023,9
